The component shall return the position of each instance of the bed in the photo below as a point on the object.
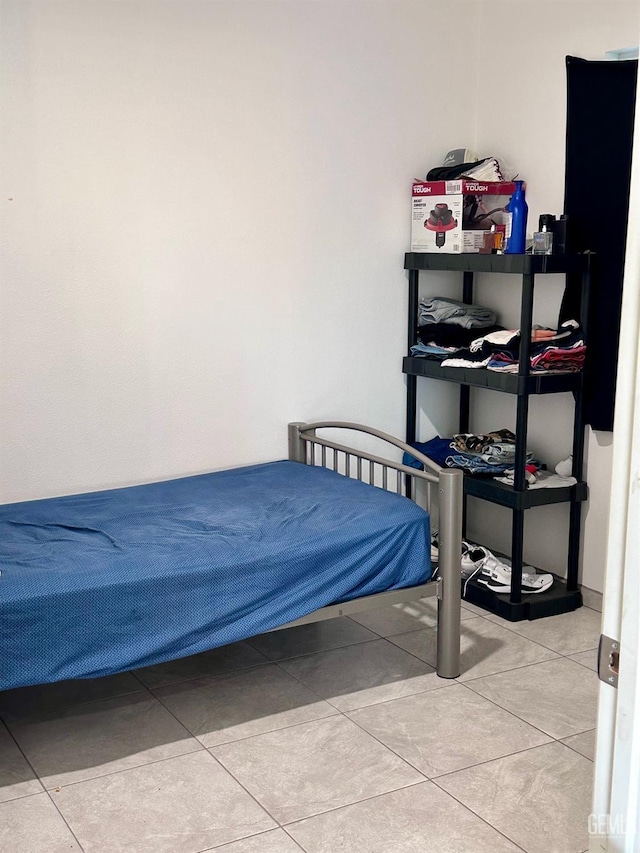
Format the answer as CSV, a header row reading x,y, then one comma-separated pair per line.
x,y
110,581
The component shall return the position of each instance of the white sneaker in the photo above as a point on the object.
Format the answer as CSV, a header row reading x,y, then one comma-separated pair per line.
x,y
434,546
466,546
473,559
565,467
496,576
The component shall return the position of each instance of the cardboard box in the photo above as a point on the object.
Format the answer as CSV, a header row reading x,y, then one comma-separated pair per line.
x,y
436,217
474,206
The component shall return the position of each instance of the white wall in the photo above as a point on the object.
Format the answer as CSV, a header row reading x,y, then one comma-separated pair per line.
x,y
526,123
209,209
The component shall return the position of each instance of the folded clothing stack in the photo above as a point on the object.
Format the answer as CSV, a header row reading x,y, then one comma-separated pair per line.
x,y
489,454
446,326
552,351
544,479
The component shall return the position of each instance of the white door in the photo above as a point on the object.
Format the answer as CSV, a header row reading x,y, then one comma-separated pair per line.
x,y
615,821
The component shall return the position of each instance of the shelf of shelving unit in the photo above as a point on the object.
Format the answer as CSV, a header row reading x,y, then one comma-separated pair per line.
x,y
505,495
508,383
537,605
513,264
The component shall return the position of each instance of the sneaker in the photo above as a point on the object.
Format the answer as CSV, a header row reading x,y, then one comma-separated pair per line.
x,y
434,546
496,576
565,467
467,547
473,559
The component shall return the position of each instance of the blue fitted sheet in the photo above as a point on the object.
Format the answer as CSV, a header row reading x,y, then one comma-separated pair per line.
x,y
100,583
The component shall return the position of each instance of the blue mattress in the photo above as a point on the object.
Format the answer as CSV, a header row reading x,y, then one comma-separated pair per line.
x,y
100,583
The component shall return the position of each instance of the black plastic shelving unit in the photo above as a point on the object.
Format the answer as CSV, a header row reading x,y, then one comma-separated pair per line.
x,y
564,595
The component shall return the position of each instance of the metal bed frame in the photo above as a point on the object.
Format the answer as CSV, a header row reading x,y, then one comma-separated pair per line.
x,y
304,444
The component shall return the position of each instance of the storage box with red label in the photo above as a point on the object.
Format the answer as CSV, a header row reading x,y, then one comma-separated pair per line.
x,y
452,216
436,217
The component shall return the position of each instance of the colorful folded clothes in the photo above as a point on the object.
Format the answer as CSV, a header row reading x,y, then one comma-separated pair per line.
x,y
558,351
558,358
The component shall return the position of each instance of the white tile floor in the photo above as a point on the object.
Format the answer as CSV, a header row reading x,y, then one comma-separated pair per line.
x,y
332,737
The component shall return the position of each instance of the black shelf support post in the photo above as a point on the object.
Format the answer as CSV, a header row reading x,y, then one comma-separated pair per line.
x,y
465,390
522,418
575,509
412,381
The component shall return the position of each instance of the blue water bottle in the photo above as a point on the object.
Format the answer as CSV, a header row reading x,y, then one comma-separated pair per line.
x,y
517,210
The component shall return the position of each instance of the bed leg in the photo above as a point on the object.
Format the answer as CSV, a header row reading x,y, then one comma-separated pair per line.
x,y
450,545
297,449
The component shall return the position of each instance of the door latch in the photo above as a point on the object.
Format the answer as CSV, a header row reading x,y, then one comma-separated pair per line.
x,y
608,660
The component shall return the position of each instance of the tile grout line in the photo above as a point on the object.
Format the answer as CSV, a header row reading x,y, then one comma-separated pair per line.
x,y
200,748
568,745
521,752
37,717
330,649
55,805
248,737
513,714
465,622
477,764
518,634
495,828
450,682
344,805
248,838
499,758
244,788
297,843
24,755
396,790
504,671
44,790
353,803
557,657
153,687
432,778
63,708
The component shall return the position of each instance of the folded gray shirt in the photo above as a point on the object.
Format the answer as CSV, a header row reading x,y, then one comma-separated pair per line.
x,y
438,309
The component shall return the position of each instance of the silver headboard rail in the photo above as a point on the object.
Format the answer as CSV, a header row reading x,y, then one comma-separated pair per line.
x,y
303,441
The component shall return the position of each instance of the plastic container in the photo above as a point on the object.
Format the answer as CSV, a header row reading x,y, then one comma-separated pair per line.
x,y
517,211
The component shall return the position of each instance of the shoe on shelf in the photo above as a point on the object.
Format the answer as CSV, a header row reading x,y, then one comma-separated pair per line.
x,y
496,576
468,563
434,546
473,559
565,467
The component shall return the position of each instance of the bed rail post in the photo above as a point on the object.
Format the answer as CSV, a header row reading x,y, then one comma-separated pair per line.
x,y
297,450
450,547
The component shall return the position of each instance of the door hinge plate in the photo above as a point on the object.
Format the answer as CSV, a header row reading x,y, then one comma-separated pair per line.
x,y
608,660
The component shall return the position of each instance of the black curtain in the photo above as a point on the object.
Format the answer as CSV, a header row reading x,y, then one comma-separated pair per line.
x,y
600,112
